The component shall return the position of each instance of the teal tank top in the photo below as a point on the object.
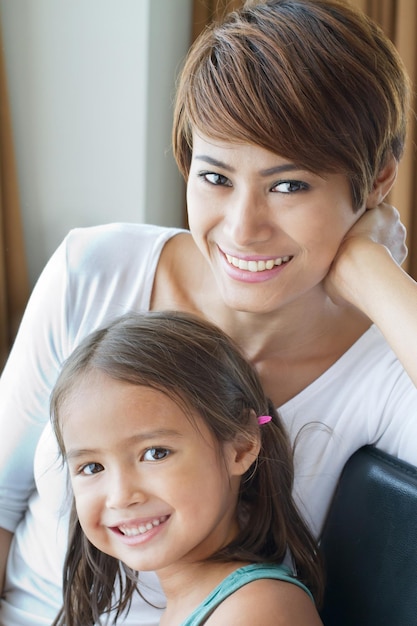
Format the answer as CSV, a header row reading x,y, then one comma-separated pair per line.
x,y
235,581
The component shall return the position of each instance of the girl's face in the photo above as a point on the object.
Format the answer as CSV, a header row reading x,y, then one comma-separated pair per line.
x,y
151,487
268,229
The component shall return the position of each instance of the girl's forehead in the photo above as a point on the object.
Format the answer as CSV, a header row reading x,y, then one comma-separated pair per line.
x,y
121,419
100,396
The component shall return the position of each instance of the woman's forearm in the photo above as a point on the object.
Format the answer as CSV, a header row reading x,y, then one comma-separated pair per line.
x,y
5,541
369,278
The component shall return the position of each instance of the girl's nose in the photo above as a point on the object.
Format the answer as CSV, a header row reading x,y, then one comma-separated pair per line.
x,y
124,490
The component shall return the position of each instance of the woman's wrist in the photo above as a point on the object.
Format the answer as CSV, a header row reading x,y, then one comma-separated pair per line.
x,y
361,274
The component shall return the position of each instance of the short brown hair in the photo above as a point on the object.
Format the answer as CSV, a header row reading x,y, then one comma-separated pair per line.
x,y
315,81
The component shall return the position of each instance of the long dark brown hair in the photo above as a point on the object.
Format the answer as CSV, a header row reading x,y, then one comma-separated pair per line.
x,y
198,366
314,81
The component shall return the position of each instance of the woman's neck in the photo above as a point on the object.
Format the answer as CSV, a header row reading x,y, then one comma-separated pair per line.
x,y
290,347
296,345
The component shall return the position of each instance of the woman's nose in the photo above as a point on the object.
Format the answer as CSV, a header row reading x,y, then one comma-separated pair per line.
x,y
247,220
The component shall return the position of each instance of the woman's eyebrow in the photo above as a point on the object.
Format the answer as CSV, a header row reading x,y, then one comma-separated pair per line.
x,y
277,169
280,169
215,162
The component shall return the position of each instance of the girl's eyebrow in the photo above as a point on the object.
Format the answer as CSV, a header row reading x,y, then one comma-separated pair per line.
x,y
74,453
278,169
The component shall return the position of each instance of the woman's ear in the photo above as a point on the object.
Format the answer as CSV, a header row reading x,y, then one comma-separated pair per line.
x,y
383,183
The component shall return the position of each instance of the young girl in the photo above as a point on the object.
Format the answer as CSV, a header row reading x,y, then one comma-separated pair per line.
x,y
179,464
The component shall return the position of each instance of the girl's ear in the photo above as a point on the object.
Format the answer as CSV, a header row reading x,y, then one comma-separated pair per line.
x,y
383,183
242,452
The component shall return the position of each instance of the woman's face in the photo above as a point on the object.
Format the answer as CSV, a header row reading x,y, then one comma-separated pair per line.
x,y
269,229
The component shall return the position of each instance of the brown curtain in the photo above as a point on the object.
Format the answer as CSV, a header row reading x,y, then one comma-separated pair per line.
x,y
14,287
398,18
204,11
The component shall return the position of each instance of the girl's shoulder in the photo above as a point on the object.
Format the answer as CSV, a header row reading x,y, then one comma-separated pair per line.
x,y
269,602
257,593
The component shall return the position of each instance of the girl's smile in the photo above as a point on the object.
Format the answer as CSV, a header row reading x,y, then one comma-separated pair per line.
x,y
151,485
130,529
137,532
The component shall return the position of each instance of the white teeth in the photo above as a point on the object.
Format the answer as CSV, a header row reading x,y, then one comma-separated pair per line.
x,y
132,531
256,266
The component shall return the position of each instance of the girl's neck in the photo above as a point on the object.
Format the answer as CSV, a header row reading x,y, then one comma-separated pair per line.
x,y
185,586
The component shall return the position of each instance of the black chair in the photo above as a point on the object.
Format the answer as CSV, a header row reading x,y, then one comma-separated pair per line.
x,y
370,544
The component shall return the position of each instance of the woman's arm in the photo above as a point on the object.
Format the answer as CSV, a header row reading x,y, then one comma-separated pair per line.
x,y
25,386
5,541
366,273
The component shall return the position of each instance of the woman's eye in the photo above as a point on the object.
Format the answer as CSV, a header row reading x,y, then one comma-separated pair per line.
x,y
216,179
290,186
155,454
91,468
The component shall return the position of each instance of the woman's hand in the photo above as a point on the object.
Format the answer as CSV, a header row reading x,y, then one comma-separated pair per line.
x,y
366,273
382,226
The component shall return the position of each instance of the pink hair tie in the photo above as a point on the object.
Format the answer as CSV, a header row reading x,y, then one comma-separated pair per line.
x,y
264,419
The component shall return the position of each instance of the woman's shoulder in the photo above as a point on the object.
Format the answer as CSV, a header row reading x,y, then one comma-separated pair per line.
x,y
179,276
105,271
119,239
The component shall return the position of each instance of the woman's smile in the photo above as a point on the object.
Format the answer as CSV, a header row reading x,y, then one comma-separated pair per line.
x,y
254,265
253,270
264,223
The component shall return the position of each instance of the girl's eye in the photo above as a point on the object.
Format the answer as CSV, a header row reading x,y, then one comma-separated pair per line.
x,y
215,179
290,186
156,454
91,468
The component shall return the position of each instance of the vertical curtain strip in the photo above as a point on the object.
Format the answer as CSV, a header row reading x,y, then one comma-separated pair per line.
x,y
205,11
398,18
14,286
404,195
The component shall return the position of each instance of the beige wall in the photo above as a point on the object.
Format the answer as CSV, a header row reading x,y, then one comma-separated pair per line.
x,y
91,86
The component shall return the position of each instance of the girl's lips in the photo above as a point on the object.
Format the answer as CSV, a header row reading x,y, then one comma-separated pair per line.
x,y
136,528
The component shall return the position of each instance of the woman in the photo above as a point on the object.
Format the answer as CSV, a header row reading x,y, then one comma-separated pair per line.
x,y
289,125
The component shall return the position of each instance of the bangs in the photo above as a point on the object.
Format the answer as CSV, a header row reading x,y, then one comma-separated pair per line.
x,y
297,78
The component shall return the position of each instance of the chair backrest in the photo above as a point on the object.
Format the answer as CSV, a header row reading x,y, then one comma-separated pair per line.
x,y
370,544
